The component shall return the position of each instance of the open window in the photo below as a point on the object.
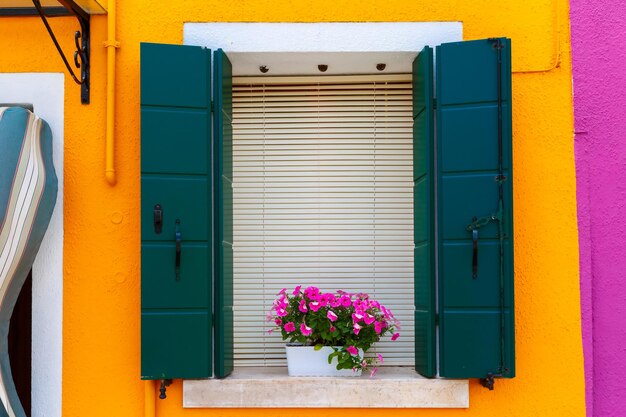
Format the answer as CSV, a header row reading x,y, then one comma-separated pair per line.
x,y
462,212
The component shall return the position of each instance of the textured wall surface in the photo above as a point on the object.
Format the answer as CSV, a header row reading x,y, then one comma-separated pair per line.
x,y
101,265
599,62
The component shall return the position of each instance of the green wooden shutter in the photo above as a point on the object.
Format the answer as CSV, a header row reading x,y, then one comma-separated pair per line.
x,y
223,165
476,312
175,175
424,222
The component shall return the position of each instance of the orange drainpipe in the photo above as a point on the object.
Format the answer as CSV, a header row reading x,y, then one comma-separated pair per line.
x,y
111,44
150,399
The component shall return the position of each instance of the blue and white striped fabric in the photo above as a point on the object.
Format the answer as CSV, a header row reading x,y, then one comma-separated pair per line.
x,y
28,190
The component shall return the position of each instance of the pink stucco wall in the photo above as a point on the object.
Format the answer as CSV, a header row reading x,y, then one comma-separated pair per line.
x,y
599,63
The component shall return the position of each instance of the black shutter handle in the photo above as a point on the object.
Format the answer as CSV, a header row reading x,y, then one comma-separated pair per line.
x,y
178,236
158,218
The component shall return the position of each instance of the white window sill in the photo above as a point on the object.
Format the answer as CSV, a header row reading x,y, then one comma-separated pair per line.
x,y
392,387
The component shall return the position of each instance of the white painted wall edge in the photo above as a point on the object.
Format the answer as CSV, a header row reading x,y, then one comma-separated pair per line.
x,y
297,48
46,92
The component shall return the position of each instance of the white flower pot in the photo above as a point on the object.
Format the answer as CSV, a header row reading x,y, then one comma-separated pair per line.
x,y
306,361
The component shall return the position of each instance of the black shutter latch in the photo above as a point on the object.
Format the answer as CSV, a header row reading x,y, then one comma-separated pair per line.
x,y
473,227
158,218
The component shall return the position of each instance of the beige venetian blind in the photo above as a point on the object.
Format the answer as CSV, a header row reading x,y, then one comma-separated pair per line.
x,y
322,195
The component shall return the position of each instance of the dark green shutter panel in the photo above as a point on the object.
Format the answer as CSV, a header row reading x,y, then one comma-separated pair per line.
x,y
223,165
474,149
175,212
424,222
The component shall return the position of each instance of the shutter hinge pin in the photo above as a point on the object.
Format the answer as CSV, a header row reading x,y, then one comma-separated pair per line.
x,y
163,387
497,43
212,106
434,104
488,382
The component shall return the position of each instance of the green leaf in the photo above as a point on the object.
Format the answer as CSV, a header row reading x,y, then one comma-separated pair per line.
x,y
318,347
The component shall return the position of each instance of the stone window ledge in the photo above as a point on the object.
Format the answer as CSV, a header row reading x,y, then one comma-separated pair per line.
x,y
392,387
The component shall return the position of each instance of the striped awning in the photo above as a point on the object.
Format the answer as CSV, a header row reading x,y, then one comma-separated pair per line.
x,y
28,190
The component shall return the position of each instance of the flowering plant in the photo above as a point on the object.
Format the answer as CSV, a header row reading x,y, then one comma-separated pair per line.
x,y
346,322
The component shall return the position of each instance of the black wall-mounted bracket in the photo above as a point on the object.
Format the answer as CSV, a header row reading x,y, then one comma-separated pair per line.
x,y
81,41
163,388
488,382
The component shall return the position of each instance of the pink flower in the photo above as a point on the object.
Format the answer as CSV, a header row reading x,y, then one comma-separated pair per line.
x,y
332,328
296,290
373,372
314,305
326,299
302,306
281,312
352,350
269,316
306,330
335,302
278,322
281,302
356,328
290,327
395,336
380,358
369,319
270,331
356,317
283,291
312,292
345,301
331,316
378,326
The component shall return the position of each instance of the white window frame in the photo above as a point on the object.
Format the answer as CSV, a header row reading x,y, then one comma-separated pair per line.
x,y
297,49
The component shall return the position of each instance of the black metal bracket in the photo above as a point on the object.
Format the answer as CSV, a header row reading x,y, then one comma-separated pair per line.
x,y
81,41
163,388
497,43
488,382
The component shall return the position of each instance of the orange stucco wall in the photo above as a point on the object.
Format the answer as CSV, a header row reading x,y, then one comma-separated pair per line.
x,y
101,272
